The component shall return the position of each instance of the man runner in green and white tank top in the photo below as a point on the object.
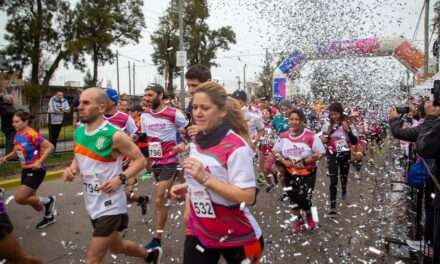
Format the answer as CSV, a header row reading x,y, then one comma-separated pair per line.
x,y
99,149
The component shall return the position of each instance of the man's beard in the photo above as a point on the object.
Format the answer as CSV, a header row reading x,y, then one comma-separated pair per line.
x,y
88,119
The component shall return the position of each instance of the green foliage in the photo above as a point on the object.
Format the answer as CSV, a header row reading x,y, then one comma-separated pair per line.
x,y
102,23
201,42
34,90
265,77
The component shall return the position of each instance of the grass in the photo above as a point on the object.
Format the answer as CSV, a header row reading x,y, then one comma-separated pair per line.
x,y
13,168
66,134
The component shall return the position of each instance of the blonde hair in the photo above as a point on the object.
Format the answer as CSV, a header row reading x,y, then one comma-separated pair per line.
x,y
234,116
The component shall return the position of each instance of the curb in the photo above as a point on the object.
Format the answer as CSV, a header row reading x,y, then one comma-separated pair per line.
x,y
16,181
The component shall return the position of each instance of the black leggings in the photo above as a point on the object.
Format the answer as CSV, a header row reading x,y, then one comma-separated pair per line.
x,y
196,253
338,165
301,190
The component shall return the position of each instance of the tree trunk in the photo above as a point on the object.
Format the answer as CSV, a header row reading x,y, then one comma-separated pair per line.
x,y
95,65
170,90
34,105
61,55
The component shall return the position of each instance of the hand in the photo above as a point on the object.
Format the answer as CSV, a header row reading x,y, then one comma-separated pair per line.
x,y
178,191
181,147
393,114
431,110
36,165
2,160
193,130
194,168
346,126
111,185
69,173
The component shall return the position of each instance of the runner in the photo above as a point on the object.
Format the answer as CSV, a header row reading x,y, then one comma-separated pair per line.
x,y
280,122
338,135
265,155
10,248
32,150
220,183
298,150
126,124
161,124
99,150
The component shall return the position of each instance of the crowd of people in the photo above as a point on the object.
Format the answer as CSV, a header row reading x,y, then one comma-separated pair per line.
x,y
227,147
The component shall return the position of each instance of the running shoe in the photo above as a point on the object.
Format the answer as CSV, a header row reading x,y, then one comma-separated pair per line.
x,y
46,222
270,188
49,208
297,224
310,223
142,203
154,255
332,212
154,243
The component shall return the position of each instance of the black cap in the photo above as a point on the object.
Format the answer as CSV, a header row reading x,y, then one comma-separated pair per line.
x,y
240,95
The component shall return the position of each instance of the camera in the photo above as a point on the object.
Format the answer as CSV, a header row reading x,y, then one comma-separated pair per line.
x,y
402,109
436,93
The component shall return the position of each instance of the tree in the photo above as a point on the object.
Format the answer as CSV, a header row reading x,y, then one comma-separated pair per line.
x,y
202,43
102,23
266,77
39,33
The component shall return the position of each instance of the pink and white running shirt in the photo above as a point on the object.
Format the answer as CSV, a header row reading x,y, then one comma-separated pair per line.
x,y
300,147
161,129
229,225
123,121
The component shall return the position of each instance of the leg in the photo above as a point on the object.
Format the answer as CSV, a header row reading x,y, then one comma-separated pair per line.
x,y
436,244
25,195
126,247
192,253
11,250
56,134
98,248
332,165
160,198
251,252
344,168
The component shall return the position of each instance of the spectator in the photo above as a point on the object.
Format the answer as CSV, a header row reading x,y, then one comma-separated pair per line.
x,y
58,105
7,111
124,105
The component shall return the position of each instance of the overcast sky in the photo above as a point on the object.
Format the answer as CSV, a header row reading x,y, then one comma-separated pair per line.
x,y
398,17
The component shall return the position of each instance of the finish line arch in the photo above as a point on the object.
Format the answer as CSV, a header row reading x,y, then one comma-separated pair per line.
x,y
400,48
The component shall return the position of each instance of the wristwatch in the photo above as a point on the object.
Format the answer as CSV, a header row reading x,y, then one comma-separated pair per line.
x,y
122,178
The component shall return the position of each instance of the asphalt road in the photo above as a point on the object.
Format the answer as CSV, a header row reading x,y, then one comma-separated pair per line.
x,y
371,212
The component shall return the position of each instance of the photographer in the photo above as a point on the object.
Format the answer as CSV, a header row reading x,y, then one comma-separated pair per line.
x,y
428,146
7,111
419,117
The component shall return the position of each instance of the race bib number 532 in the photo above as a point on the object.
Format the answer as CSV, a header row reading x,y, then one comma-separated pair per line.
x,y
202,204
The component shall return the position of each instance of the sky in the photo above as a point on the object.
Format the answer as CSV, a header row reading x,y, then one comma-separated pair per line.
x,y
260,25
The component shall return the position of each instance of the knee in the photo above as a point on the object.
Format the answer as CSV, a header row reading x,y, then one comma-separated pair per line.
x,y
20,199
159,201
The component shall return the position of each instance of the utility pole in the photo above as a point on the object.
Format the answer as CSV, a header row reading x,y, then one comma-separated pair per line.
x,y
181,48
129,79
134,78
244,81
117,70
425,69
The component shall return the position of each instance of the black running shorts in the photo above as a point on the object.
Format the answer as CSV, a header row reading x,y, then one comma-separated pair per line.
x,y
106,225
33,178
164,172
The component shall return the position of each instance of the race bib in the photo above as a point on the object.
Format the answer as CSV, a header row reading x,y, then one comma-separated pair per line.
x,y
91,185
20,156
341,145
202,204
155,149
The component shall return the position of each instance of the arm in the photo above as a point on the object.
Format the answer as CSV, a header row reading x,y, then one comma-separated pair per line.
x,y
407,134
11,155
231,192
47,148
66,107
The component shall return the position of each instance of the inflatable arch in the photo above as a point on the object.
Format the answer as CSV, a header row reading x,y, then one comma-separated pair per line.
x,y
399,48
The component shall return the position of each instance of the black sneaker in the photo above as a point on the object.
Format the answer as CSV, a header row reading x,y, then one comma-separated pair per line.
x,y
332,212
46,222
142,203
49,208
154,255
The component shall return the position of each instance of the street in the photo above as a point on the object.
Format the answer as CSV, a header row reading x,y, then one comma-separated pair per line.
x,y
356,236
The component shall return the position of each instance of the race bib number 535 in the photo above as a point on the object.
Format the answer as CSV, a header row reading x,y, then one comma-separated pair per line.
x,y
202,204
